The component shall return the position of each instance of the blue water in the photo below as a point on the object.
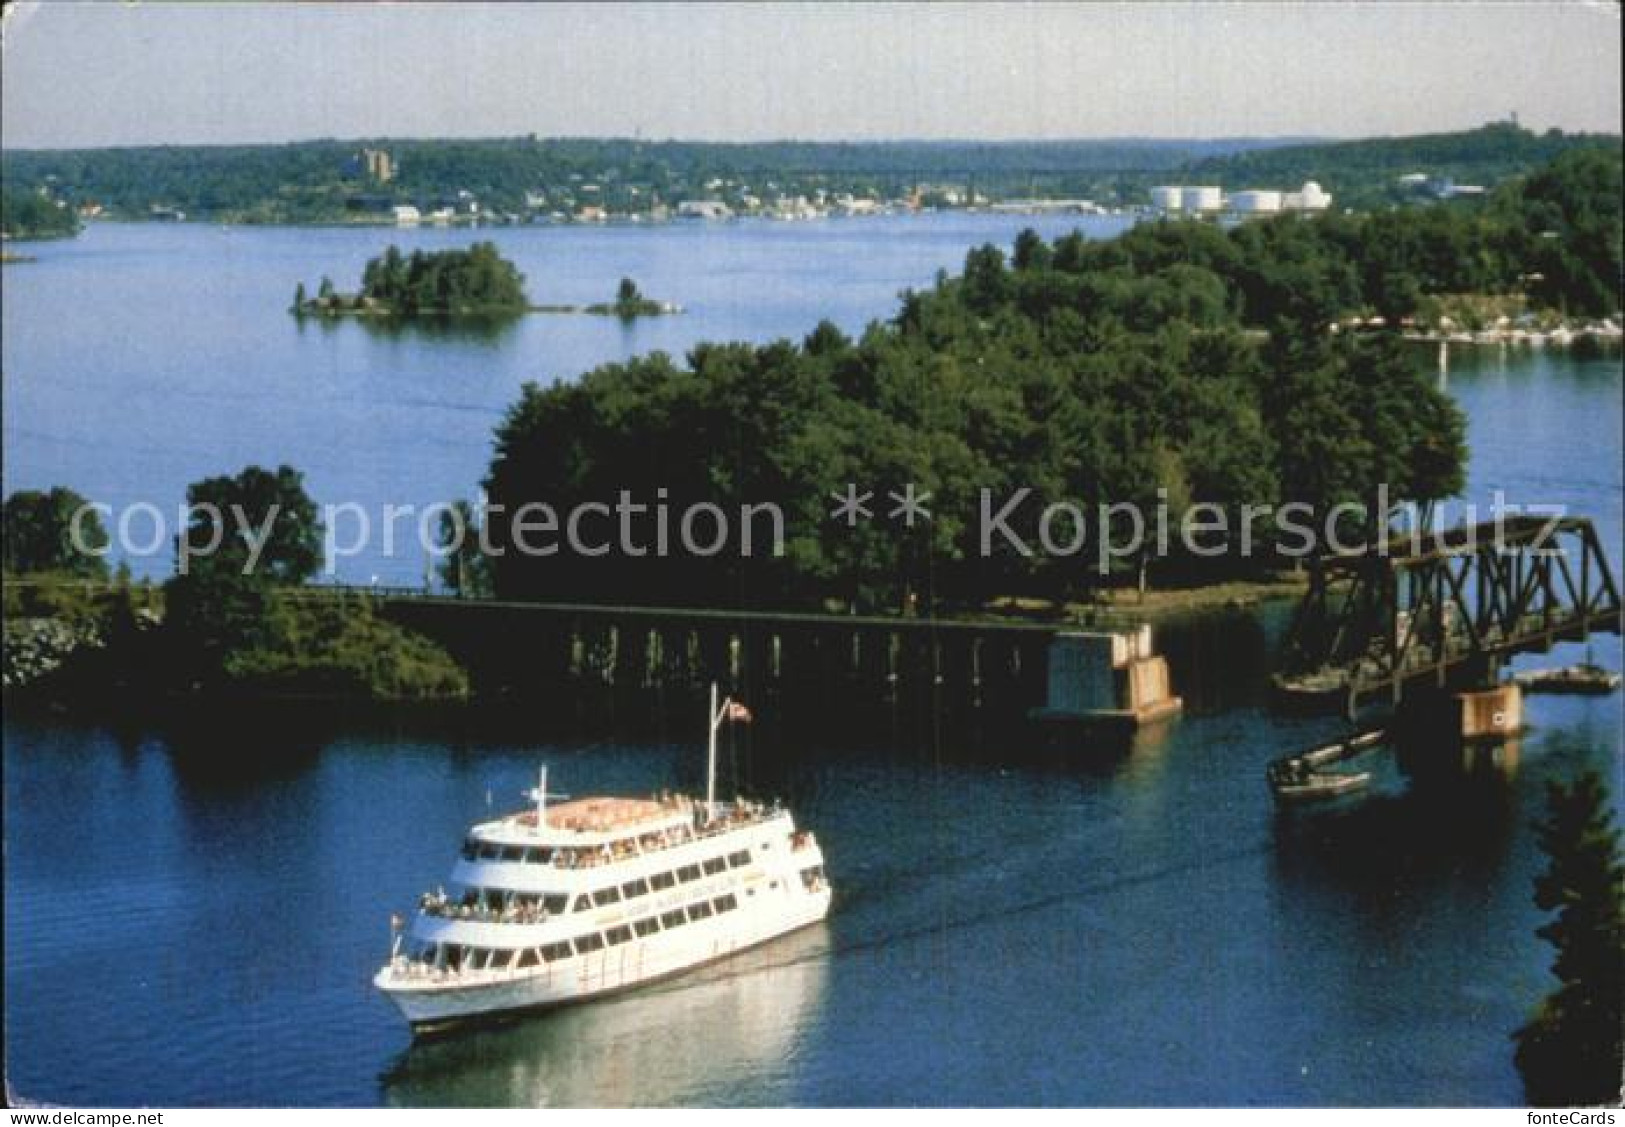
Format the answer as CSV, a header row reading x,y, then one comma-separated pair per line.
x,y
192,911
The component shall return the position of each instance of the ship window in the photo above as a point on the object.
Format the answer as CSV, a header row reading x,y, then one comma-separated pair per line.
x,y
725,903
662,881
493,898
477,957
582,903
553,952
534,856
715,865
688,873
586,943
513,853
646,927
454,957
500,959
554,903
606,896
699,911
634,888
471,849
674,918
740,858
527,958
489,852
618,934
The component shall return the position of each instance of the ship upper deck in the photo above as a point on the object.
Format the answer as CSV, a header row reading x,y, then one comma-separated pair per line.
x,y
590,823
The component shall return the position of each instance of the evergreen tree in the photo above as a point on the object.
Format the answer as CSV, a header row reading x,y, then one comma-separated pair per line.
x,y
1570,1051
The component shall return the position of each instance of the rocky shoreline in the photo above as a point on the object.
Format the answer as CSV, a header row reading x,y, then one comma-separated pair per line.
x,y
37,647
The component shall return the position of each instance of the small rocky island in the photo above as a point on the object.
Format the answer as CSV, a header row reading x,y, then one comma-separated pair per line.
x,y
628,305
477,282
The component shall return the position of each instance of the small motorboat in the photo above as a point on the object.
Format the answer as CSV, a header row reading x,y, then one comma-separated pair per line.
x,y
1585,677
1314,786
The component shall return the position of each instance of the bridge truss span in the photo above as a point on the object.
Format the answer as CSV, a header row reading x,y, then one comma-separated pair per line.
x,y
1445,607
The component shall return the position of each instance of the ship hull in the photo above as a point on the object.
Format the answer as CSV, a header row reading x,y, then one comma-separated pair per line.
x,y
434,1008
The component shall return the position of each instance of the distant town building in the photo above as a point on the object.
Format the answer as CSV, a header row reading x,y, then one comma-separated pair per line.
x,y
1040,207
703,209
407,216
1256,202
377,164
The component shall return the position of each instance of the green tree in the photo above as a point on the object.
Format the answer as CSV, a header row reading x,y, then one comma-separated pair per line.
x,y
213,613
987,282
40,534
248,534
466,568
1031,251
1570,1052
260,521
27,213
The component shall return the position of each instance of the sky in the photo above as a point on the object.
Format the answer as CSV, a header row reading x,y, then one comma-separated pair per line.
x,y
97,74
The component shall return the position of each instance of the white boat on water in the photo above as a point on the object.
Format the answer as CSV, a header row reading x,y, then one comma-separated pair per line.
x,y
1314,786
565,902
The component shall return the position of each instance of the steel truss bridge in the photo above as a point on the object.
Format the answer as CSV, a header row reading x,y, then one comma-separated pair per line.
x,y
1445,608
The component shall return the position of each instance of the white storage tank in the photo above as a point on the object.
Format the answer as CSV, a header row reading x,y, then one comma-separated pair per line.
x,y
1255,202
1167,198
1205,198
1308,198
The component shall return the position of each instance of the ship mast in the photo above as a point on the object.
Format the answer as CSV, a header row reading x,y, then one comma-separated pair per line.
x,y
727,710
711,757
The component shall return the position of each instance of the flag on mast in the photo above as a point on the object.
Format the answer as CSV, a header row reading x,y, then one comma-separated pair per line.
x,y
738,712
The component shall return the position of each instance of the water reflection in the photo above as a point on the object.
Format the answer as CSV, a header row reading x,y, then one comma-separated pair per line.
x,y
473,328
222,750
701,1039
483,329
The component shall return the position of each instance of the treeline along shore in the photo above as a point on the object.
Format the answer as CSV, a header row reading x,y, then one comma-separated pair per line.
x,y
47,193
1179,365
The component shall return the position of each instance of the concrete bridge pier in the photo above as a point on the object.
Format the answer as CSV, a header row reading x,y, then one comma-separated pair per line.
x,y
1461,714
1494,713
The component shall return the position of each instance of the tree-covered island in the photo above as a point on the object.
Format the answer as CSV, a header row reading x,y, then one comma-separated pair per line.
x,y
1179,364
473,282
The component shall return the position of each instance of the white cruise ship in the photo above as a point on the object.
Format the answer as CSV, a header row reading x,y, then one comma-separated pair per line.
x,y
565,902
